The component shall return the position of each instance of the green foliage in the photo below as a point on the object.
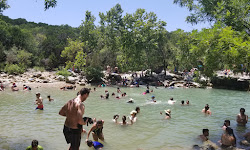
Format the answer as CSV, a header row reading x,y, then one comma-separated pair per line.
x,y
136,41
233,13
38,68
94,74
64,72
3,5
24,58
14,69
49,3
80,60
70,52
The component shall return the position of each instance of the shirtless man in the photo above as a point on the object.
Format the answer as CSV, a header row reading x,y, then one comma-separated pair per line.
x,y
204,136
242,118
73,110
39,101
206,110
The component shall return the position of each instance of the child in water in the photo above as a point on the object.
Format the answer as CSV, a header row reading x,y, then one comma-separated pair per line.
x,y
97,145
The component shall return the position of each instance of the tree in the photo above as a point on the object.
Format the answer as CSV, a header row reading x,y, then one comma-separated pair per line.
x,y
24,58
111,29
49,3
74,54
3,5
233,13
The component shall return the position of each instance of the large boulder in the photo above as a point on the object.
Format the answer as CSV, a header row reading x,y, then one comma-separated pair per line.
x,y
71,80
114,78
60,78
230,83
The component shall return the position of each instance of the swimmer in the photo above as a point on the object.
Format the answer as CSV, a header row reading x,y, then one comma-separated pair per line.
x,y
171,101
137,109
49,98
96,130
118,90
131,100
228,139
39,101
1,86
115,118
26,88
14,87
182,103
206,110
187,102
113,94
97,145
34,146
124,94
204,136
226,124
242,118
133,117
153,99
168,113
106,94
124,122
68,87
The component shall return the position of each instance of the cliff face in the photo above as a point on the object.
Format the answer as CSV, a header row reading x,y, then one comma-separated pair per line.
x,y
230,83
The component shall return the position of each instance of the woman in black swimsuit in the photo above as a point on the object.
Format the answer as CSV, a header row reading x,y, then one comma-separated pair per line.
x,y
96,130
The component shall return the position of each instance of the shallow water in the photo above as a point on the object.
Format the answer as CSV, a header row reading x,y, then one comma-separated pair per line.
x,y
21,123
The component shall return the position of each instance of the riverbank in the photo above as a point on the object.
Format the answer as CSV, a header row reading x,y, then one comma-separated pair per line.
x,y
170,80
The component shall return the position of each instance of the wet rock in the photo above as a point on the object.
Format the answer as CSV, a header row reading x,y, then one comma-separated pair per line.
x,y
60,78
37,75
42,77
4,75
230,83
31,79
71,80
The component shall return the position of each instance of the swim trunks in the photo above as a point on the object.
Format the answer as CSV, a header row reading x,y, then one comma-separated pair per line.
x,y
72,136
40,107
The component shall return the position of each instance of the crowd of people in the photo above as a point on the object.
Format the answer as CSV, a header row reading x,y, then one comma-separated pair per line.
x,y
74,110
228,139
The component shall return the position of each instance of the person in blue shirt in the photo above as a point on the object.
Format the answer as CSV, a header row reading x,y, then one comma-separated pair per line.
x,y
97,145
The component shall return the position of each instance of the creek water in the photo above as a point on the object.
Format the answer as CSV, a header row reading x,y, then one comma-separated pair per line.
x,y
20,123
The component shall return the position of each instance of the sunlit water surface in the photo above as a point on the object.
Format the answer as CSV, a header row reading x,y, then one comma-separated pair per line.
x,y
20,123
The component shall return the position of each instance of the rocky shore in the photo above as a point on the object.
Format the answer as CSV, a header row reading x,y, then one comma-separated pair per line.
x,y
170,80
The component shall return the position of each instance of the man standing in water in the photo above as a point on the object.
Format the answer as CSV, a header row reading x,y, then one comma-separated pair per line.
x,y
39,101
242,118
73,110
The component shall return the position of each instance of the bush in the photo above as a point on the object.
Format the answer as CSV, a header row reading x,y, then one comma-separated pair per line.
x,y
63,72
94,74
14,69
37,68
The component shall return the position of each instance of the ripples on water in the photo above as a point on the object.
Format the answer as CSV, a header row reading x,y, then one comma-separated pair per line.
x,y
21,123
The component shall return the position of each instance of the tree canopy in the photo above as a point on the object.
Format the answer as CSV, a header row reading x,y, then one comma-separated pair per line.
x,y
132,42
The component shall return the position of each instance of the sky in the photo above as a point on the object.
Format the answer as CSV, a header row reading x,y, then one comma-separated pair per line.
x,y
72,12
